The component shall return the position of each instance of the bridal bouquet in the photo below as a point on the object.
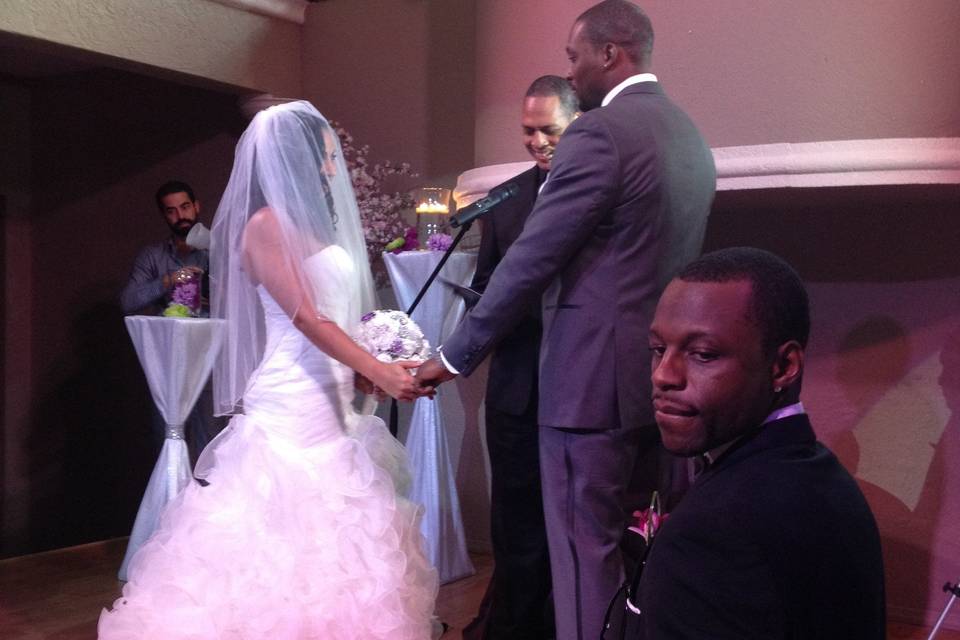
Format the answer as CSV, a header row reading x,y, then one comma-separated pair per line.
x,y
391,335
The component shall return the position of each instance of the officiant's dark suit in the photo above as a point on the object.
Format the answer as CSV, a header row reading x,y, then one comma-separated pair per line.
x,y
517,602
512,377
624,207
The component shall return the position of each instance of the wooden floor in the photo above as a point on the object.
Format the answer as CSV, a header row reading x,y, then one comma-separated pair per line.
x,y
58,595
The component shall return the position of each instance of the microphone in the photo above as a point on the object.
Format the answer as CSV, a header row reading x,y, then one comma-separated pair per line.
x,y
473,211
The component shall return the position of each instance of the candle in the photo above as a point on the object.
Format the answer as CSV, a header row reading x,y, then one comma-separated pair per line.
x,y
432,207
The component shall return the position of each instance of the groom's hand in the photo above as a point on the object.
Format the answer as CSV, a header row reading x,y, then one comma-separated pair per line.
x,y
365,386
432,373
362,384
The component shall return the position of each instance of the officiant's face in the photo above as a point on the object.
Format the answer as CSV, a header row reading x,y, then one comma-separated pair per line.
x,y
543,120
712,379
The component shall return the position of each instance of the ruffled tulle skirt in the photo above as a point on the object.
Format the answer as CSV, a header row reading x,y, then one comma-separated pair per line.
x,y
286,542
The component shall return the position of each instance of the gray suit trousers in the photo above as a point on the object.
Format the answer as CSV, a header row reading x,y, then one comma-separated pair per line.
x,y
584,473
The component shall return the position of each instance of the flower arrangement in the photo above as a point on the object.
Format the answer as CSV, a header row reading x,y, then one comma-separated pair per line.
x,y
381,213
390,335
185,299
408,242
177,310
439,242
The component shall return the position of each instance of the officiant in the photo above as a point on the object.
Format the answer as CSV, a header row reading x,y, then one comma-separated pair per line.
x,y
518,601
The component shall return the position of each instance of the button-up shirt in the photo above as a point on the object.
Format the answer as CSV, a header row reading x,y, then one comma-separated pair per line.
x,y
145,286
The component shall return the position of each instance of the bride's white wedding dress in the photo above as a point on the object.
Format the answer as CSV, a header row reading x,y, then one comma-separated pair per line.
x,y
302,532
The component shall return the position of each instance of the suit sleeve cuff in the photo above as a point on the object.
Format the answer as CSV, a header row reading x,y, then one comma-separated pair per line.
x,y
446,364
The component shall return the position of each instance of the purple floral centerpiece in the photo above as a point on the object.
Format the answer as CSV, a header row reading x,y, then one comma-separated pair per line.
x,y
185,297
390,335
439,242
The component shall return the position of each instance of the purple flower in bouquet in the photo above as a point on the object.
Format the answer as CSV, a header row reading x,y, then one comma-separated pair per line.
x,y
439,242
390,335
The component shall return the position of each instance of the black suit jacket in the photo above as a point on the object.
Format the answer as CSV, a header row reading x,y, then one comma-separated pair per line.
x,y
624,208
774,540
512,378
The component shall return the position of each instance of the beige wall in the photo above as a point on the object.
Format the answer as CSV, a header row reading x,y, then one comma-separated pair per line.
x,y
749,71
400,76
207,40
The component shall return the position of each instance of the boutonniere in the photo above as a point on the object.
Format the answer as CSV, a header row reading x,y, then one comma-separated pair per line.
x,y
647,522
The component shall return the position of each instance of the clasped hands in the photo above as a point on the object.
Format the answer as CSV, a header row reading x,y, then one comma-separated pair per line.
x,y
399,383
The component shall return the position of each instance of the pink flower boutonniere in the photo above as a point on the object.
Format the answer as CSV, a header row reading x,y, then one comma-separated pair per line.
x,y
647,522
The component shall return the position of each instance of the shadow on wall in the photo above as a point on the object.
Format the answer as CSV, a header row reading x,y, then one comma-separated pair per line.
x,y
882,380
889,448
104,127
90,447
103,141
889,233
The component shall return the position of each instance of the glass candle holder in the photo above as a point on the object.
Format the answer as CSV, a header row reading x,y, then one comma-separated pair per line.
x,y
433,212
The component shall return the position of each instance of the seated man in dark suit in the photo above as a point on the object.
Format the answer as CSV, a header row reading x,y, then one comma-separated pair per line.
x,y
774,538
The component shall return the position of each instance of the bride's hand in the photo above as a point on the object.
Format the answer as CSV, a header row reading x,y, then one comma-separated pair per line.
x,y
397,382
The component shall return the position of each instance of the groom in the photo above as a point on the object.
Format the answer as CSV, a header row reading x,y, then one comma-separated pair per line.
x,y
624,208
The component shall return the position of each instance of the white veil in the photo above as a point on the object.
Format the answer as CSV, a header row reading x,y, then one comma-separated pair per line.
x,y
288,160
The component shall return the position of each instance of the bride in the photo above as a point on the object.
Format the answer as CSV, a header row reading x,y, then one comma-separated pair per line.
x,y
301,530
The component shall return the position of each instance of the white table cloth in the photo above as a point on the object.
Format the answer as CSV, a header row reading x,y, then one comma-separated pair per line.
x,y
177,355
434,481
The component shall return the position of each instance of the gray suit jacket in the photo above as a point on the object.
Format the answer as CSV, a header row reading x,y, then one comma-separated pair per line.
x,y
624,208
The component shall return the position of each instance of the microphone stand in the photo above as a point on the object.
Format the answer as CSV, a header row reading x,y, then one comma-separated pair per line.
x,y
394,415
954,590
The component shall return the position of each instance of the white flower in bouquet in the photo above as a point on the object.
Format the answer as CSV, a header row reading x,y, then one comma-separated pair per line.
x,y
390,335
